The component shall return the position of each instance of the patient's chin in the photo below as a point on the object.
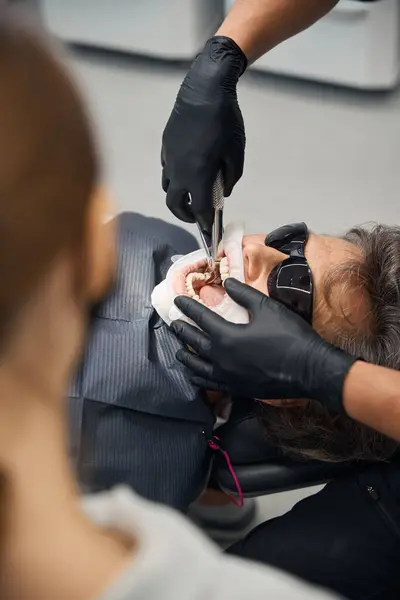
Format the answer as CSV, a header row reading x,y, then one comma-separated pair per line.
x,y
288,403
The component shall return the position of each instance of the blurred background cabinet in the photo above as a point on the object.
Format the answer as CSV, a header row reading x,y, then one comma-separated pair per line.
x,y
356,45
168,29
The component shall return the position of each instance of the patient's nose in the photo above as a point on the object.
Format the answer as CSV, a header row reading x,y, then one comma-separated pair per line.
x,y
259,260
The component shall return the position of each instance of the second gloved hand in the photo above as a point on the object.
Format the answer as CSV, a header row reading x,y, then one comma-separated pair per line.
x,y
277,355
205,133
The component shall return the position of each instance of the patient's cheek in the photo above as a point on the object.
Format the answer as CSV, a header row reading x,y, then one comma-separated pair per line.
x,y
260,285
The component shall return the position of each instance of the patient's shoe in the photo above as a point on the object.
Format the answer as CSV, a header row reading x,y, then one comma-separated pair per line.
x,y
222,520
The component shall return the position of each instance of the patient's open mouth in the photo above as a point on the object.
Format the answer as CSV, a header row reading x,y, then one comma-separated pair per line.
x,y
192,276
202,283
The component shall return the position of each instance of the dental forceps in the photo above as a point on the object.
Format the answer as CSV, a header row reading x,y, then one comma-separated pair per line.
x,y
205,243
217,228
218,224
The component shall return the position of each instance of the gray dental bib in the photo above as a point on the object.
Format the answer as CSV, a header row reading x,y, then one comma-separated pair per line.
x,y
134,416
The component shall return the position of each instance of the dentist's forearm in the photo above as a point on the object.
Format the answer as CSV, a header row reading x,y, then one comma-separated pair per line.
x,y
259,25
371,395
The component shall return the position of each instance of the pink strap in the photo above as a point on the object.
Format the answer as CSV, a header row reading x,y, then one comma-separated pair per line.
x,y
213,443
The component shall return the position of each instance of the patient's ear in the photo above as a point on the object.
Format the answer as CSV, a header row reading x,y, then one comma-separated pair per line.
x,y
101,246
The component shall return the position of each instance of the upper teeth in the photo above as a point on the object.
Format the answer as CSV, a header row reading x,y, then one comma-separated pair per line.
x,y
224,269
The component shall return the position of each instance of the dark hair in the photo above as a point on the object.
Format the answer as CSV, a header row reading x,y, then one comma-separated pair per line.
x,y
48,165
312,432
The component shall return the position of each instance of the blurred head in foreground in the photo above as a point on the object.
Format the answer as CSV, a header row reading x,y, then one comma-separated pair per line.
x,y
56,260
56,253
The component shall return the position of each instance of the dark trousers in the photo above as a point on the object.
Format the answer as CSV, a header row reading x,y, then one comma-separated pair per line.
x,y
346,537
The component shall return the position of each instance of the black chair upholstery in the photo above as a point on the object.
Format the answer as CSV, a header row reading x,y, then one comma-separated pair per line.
x,y
260,468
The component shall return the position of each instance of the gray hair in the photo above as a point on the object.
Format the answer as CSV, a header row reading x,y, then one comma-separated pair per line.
x,y
312,432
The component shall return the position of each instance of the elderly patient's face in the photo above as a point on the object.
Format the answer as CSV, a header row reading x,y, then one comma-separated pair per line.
x,y
340,312
323,254
304,428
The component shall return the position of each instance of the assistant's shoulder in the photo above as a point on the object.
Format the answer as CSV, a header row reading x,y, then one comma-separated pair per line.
x,y
174,560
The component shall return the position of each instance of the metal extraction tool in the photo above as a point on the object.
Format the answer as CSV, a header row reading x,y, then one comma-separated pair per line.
x,y
218,205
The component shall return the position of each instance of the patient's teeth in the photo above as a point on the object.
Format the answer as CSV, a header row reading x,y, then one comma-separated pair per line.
x,y
193,277
205,279
189,284
223,266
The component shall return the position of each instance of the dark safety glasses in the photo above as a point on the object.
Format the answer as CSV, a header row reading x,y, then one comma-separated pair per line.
x,y
291,282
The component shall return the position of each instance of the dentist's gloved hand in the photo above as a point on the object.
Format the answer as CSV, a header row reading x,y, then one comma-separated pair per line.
x,y
277,355
205,133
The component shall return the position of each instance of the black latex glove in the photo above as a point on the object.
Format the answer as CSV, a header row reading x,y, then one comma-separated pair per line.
x,y
205,133
277,355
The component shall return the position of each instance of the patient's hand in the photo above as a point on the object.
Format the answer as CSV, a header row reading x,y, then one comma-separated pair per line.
x,y
220,403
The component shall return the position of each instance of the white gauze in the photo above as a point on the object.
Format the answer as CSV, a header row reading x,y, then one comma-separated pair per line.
x,y
163,294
